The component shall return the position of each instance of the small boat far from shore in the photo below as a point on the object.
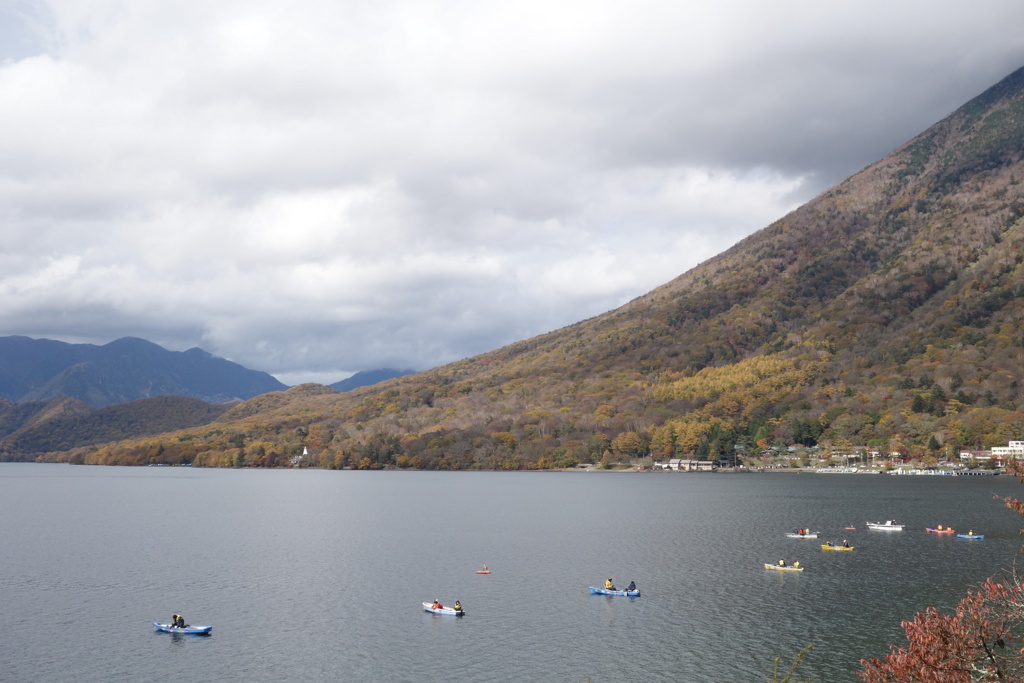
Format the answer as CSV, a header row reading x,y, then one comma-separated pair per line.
x,y
594,590
450,611
783,567
188,629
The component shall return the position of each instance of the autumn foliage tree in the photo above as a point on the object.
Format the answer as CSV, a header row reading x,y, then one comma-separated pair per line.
x,y
981,640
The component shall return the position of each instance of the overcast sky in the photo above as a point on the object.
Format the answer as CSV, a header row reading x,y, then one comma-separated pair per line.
x,y
314,188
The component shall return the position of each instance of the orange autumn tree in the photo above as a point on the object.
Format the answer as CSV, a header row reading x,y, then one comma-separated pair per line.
x,y
979,641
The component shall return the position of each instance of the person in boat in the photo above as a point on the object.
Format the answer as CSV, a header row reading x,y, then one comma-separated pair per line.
x,y
829,544
457,606
796,565
846,544
174,620
437,605
181,622
486,569
782,563
631,586
608,585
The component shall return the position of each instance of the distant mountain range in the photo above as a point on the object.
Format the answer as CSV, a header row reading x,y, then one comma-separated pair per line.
x,y
367,378
55,396
128,369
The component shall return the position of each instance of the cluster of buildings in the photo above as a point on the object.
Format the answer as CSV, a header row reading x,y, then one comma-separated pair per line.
x,y
998,456
684,465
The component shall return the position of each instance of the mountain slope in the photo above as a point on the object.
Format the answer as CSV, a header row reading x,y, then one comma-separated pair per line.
x,y
124,370
885,313
66,423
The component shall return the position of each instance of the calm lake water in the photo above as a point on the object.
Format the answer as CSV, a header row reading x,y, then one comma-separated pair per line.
x,y
318,576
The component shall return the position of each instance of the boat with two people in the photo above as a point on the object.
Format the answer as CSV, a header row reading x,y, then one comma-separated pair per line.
x,y
832,546
783,566
437,608
940,529
631,591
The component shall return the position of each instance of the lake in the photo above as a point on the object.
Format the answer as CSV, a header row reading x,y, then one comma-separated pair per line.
x,y
320,575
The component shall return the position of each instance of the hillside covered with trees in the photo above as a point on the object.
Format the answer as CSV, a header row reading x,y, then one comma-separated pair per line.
x,y
884,314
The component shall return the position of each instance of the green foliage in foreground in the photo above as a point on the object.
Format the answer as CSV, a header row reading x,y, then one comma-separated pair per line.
x,y
789,677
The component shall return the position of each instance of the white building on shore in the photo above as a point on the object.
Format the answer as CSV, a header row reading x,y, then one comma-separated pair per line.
x,y
1015,451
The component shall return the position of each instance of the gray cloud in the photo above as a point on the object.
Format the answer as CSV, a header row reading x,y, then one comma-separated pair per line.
x,y
314,190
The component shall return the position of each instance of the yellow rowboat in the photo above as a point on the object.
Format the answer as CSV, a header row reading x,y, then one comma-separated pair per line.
x,y
826,546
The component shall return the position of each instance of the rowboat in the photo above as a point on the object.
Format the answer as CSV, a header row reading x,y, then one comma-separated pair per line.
x,y
483,571
783,567
594,590
809,534
429,607
191,630
888,525
826,546
971,537
940,530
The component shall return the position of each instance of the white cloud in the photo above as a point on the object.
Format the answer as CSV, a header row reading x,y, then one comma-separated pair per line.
x,y
313,189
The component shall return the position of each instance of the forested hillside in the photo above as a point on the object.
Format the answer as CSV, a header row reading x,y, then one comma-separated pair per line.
x,y
66,423
886,313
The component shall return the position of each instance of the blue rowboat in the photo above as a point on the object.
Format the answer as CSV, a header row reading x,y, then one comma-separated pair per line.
x,y
594,590
191,630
